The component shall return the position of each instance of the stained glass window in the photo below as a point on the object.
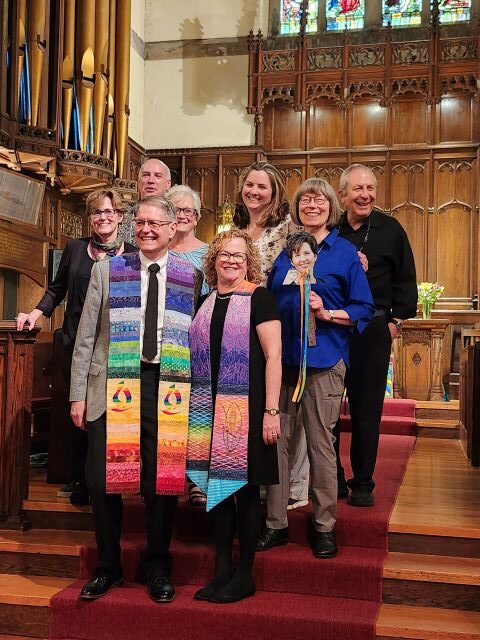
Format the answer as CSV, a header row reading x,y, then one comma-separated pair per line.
x,y
290,16
402,13
455,10
345,14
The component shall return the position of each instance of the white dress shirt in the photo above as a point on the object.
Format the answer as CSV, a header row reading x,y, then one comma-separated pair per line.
x,y
162,280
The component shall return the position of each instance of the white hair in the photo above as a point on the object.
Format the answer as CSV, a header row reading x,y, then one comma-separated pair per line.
x,y
183,191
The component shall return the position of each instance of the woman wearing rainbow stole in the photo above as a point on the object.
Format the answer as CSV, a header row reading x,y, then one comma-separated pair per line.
x,y
318,308
234,417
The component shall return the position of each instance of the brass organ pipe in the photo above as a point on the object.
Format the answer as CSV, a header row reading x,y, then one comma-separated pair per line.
x,y
111,78
68,68
21,34
85,65
122,82
36,52
101,65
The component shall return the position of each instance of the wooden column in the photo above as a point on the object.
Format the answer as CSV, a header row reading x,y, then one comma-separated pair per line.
x,y
418,351
16,375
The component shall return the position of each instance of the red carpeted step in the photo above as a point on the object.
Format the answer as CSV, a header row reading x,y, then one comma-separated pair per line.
x,y
292,568
389,425
398,418
128,613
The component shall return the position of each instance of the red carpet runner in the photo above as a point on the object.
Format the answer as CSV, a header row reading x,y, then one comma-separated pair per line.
x,y
297,595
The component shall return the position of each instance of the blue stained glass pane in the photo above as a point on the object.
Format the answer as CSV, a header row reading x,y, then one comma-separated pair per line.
x,y
290,16
345,14
455,11
402,13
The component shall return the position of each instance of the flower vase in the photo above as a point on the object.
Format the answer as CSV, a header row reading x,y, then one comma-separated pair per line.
x,y
426,310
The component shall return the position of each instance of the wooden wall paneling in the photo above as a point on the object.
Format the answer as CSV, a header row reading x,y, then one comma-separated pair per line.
x,y
293,171
326,125
201,174
409,205
455,118
284,128
453,226
369,124
330,172
409,122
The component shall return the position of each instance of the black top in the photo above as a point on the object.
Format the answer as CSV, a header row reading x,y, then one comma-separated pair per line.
x,y
391,266
72,280
262,458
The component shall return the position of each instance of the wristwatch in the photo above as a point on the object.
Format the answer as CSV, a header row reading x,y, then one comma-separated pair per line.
x,y
272,412
331,314
397,323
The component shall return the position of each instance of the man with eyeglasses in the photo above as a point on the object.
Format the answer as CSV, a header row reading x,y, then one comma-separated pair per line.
x,y
130,390
392,279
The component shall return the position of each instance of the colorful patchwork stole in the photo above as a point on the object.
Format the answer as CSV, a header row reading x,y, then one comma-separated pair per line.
x,y
218,462
304,282
123,377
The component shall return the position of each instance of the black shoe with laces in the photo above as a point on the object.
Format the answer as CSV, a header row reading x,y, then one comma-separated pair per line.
x,y
272,538
325,544
99,585
161,589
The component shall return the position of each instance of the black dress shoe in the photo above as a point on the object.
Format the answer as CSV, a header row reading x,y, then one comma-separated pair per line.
x,y
361,498
325,545
161,589
272,538
98,586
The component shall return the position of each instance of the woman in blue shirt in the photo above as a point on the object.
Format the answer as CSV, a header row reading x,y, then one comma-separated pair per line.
x,y
339,302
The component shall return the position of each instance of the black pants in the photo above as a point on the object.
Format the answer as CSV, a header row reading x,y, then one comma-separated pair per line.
x,y
107,508
365,382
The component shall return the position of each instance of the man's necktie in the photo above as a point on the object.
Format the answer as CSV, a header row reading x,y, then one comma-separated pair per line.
x,y
150,346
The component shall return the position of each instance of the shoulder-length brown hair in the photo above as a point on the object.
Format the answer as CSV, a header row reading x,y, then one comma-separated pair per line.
x,y
320,187
277,209
216,245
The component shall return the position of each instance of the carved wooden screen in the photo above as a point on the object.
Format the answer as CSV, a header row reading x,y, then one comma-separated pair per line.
x,y
407,109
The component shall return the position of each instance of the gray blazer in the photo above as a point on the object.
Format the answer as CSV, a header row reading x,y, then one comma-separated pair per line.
x,y
90,355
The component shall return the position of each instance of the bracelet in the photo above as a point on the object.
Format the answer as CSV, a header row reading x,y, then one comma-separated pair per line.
x,y
331,314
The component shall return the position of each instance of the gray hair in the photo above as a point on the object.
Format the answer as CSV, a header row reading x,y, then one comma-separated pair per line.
x,y
343,182
159,202
163,165
182,191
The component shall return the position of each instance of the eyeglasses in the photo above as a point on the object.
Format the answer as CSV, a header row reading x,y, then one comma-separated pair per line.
x,y
306,200
108,213
187,212
153,224
239,258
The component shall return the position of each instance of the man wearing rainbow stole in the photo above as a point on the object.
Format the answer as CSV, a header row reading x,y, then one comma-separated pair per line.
x,y
131,390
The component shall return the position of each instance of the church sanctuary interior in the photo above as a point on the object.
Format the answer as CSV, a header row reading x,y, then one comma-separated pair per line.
x,y
90,89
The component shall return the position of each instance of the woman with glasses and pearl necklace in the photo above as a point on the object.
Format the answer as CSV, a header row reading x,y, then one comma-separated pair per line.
x,y
104,209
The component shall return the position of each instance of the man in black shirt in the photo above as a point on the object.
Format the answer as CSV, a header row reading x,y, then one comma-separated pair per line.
x,y
392,279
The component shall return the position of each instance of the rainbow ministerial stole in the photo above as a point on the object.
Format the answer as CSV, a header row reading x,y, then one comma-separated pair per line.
x,y
217,457
123,377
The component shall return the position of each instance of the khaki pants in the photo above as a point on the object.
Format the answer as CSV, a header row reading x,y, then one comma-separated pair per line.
x,y
320,405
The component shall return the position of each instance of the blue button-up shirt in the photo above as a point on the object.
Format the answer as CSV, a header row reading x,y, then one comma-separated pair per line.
x,y
342,284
